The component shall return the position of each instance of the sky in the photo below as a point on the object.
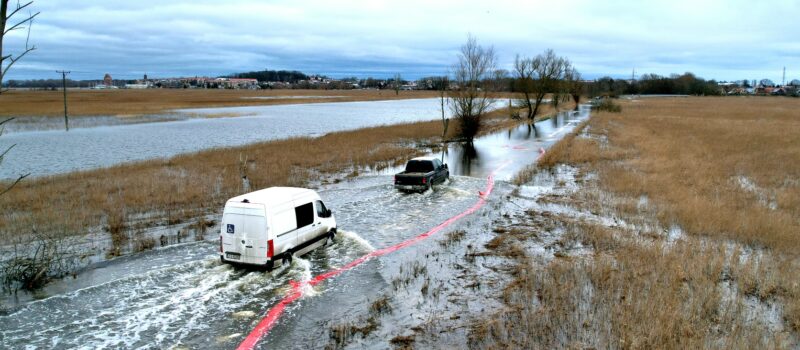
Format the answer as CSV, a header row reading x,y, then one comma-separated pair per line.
x,y
723,40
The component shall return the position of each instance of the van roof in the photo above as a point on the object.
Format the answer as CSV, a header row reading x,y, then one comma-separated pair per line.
x,y
425,158
273,195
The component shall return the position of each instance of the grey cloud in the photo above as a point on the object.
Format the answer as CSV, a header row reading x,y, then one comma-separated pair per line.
x,y
723,40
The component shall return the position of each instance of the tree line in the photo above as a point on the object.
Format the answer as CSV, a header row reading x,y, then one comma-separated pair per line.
x,y
653,84
283,76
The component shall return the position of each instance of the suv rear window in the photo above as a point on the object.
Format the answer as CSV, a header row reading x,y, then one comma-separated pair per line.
x,y
419,166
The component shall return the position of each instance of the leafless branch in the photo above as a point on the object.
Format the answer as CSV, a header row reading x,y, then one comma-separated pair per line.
x,y
19,7
16,26
15,59
20,178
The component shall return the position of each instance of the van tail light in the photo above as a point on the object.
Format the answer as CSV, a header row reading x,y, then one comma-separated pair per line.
x,y
424,180
270,249
220,243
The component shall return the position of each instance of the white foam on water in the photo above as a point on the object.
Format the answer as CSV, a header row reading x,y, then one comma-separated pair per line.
x,y
462,192
161,307
358,239
305,276
243,314
227,338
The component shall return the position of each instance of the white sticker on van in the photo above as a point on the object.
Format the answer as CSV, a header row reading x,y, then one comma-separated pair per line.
x,y
230,228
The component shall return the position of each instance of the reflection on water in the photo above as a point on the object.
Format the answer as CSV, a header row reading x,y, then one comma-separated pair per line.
x,y
520,145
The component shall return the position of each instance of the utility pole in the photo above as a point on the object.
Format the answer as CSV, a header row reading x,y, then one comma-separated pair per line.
x,y
64,87
783,81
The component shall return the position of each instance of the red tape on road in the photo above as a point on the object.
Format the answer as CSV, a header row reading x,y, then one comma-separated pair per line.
x,y
263,327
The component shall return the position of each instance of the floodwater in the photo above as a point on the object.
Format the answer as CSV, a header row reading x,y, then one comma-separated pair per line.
x,y
53,152
516,147
182,296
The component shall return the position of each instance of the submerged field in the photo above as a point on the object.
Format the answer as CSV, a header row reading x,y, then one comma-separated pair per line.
x,y
673,224
677,226
134,103
125,199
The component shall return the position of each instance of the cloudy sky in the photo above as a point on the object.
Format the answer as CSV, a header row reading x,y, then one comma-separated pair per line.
x,y
725,40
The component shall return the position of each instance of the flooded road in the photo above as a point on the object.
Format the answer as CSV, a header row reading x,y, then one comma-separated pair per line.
x,y
53,152
182,296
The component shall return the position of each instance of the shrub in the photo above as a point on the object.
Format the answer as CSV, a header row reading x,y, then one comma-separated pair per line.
x,y
607,105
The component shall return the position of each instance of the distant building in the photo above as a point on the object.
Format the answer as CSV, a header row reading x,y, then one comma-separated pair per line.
x,y
138,86
237,83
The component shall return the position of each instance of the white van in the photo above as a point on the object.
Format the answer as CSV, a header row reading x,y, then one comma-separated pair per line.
x,y
273,224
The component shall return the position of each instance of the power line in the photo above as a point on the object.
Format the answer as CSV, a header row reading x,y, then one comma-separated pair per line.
x,y
64,87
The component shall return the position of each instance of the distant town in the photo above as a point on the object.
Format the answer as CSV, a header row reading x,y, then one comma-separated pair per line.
x,y
685,84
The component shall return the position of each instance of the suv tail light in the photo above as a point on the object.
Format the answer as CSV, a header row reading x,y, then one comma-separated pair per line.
x,y
424,180
270,249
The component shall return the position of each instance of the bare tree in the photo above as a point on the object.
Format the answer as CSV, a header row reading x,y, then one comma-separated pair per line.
x,y
470,99
397,83
6,61
442,84
560,89
574,85
536,77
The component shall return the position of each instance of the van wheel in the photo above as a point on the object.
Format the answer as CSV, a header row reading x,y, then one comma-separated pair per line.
x,y
287,258
331,236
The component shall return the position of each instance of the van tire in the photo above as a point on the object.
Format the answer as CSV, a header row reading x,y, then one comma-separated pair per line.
x,y
331,236
287,258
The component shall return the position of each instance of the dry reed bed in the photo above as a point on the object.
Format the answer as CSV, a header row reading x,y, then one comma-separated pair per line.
x,y
17,103
629,295
178,189
689,156
724,170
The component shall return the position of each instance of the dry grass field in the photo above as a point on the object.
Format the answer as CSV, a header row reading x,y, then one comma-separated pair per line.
x,y
703,251
16,103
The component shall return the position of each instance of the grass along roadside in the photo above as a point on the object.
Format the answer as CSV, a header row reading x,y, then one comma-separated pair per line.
x,y
683,233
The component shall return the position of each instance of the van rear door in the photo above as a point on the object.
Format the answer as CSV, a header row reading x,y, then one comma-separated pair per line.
x,y
244,237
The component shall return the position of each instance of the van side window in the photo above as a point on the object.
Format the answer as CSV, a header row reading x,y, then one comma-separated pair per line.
x,y
320,209
304,214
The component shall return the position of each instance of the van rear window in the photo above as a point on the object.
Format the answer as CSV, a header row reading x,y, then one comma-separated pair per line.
x,y
304,214
419,166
